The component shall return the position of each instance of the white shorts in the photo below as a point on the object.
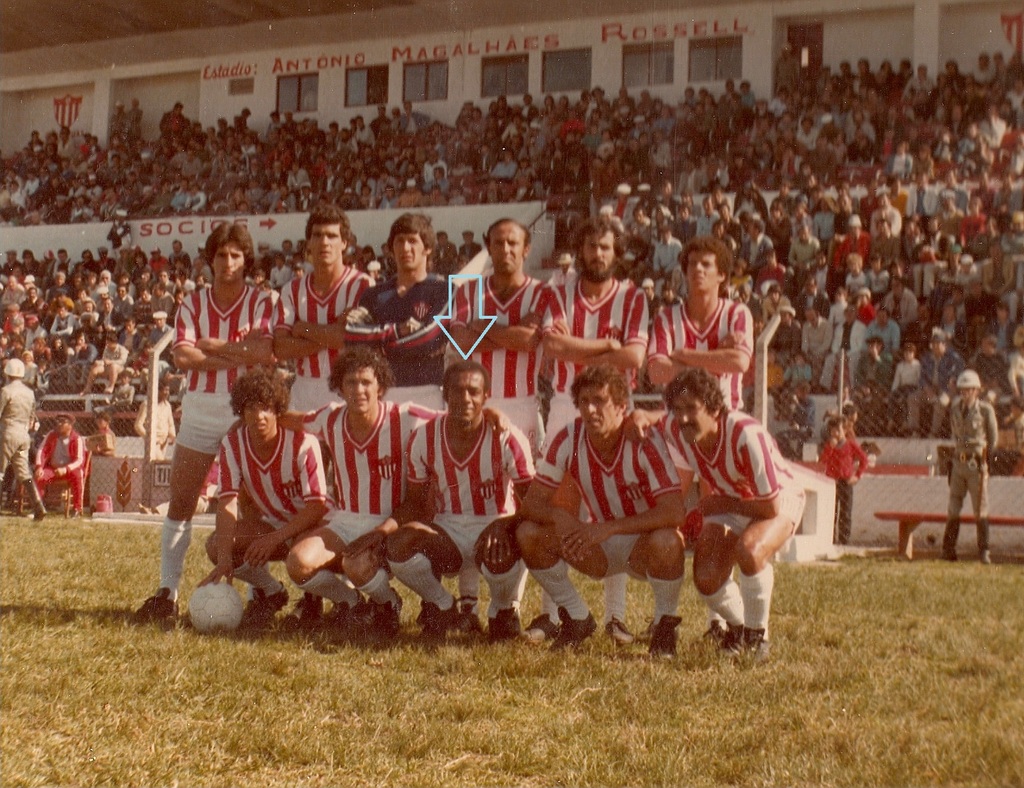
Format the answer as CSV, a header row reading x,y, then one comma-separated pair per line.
x,y
617,550
464,530
791,503
349,526
524,414
205,420
561,413
309,394
425,396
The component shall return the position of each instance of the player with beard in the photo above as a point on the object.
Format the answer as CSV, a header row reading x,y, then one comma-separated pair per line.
x,y
596,319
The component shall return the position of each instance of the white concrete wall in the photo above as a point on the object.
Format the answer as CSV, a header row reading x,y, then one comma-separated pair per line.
x,y
879,34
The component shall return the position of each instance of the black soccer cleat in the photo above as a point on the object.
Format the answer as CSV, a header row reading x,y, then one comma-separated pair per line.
x,y
159,607
435,622
619,632
663,638
755,644
504,626
307,615
716,632
540,629
572,633
262,608
732,643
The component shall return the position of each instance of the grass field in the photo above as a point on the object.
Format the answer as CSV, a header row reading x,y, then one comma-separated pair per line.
x,y
882,673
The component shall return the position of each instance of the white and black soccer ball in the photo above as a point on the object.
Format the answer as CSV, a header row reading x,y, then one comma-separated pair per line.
x,y
215,608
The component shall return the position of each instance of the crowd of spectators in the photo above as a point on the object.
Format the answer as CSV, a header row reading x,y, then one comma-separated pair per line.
x,y
872,210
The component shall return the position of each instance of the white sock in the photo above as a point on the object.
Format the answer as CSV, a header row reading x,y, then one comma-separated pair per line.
x,y
379,589
175,537
258,577
563,593
469,586
418,574
548,607
329,586
615,597
666,596
757,597
505,588
726,602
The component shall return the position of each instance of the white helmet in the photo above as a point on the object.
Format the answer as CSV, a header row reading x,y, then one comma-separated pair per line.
x,y
968,380
14,368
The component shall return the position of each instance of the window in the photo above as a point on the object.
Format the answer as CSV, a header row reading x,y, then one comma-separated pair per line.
x,y
566,70
716,59
298,93
365,86
243,86
505,76
425,81
644,65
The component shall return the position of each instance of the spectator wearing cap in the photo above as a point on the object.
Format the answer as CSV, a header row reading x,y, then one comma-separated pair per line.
x,y
62,456
411,196
788,336
940,367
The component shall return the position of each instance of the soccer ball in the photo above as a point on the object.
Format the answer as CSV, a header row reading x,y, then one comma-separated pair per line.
x,y
215,607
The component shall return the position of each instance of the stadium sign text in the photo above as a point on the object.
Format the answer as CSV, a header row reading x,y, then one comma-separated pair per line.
x,y
229,70
488,47
697,28
320,63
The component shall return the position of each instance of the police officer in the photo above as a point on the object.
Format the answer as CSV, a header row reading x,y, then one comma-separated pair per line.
x,y
17,414
975,431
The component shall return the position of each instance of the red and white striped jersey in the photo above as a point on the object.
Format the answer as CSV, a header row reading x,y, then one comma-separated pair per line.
x,y
513,372
479,484
673,330
199,317
621,314
630,484
299,301
281,486
369,476
746,463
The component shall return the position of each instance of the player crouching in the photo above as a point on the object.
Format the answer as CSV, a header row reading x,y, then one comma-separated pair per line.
x,y
751,505
631,491
476,473
281,472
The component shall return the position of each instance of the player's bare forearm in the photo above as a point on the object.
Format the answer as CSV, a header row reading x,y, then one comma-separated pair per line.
x,y
537,507
414,506
467,335
522,337
292,420
668,512
254,350
723,361
624,358
758,509
288,346
324,336
575,350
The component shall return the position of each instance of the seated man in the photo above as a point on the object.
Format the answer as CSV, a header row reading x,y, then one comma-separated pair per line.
x,y
631,492
366,437
752,505
62,456
281,473
475,473
104,442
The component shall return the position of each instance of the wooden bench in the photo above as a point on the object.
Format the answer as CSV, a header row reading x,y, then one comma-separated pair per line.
x,y
908,521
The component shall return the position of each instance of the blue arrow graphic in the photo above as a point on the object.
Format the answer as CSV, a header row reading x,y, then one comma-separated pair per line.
x,y
442,319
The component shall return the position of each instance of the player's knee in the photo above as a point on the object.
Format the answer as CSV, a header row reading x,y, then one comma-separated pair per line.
x,y
529,537
298,565
402,544
665,550
706,579
360,569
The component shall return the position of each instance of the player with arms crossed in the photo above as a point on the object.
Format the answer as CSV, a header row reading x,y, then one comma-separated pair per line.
x,y
309,320
477,473
282,473
631,492
366,436
397,317
509,348
220,332
751,504
595,319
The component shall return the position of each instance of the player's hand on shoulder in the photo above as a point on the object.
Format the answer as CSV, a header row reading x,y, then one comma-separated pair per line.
x,y
639,423
372,541
357,316
498,420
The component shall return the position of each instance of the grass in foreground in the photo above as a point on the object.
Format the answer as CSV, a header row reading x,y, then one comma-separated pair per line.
x,y
882,673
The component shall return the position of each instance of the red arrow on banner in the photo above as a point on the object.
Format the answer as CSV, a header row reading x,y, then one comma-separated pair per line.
x,y
268,223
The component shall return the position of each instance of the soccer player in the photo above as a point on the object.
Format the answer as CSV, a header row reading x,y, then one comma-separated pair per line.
x,y
509,348
281,472
596,319
309,317
366,437
475,474
397,317
220,332
707,330
634,506
751,506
